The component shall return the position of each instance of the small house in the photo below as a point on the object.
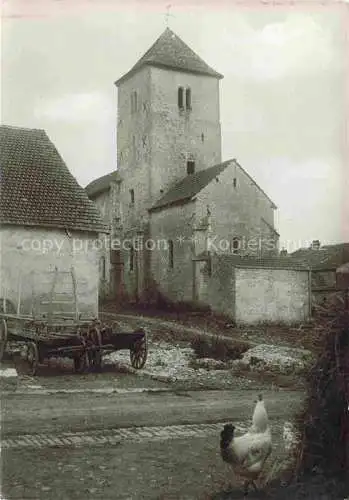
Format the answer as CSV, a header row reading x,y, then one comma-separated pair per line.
x,y
324,260
46,222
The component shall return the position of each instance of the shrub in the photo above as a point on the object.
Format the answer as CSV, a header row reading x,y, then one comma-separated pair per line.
x,y
323,423
218,348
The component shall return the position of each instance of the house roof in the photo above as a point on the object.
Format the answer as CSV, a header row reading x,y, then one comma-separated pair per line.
x,y
269,263
251,262
169,51
326,257
102,184
37,189
191,185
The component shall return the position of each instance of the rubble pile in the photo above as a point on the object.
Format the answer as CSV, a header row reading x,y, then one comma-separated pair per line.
x,y
284,360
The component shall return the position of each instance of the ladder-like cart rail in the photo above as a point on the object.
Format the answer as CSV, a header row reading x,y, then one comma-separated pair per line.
x,y
84,340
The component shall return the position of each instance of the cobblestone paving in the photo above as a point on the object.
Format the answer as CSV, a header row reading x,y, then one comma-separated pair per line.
x,y
148,463
116,436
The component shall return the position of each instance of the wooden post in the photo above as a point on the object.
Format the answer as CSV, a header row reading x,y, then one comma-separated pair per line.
x,y
19,293
52,291
342,283
310,292
77,316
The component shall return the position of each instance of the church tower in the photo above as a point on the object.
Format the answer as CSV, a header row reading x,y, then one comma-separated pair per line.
x,y
168,123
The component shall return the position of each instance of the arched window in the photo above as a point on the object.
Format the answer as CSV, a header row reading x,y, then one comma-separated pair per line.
x,y
235,246
132,258
170,254
180,97
188,98
132,196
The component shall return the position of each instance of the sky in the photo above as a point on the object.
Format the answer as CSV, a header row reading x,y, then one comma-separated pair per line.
x,y
284,97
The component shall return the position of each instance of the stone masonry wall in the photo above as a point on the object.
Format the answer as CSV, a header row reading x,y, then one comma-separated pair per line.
x,y
216,284
155,141
173,224
239,210
134,147
105,206
271,295
179,135
103,202
108,203
32,252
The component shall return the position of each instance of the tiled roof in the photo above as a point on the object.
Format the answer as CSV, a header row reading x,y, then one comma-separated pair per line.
x,y
188,187
327,256
263,262
268,263
36,186
169,51
102,184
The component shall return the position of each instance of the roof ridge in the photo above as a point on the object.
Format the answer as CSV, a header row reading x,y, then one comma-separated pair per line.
x,y
28,129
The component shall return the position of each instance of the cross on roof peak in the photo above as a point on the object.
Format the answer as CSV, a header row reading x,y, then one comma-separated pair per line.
x,y
168,15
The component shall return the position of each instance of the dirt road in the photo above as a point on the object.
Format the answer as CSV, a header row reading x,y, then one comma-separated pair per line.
x,y
117,436
45,457
58,412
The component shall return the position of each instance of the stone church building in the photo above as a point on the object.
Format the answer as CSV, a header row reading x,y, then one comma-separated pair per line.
x,y
173,205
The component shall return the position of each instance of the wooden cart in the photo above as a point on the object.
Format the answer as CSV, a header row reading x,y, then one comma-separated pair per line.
x,y
56,334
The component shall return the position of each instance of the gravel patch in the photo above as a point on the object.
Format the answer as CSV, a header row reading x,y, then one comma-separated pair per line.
x,y
178,365
164,361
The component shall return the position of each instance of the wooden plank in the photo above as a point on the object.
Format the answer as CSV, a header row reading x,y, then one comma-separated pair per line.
x,y
47,302
16,316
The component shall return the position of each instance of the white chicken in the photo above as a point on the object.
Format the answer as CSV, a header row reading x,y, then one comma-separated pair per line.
x,y
247,454
260,421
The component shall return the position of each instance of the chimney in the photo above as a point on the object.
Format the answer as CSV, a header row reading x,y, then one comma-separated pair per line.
x,y
315,245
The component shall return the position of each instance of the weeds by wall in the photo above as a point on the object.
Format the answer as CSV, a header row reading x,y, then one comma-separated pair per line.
x,y
324,422
218,348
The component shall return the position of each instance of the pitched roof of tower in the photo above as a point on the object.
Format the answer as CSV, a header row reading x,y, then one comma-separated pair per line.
x,y
169,51
102,184
37,189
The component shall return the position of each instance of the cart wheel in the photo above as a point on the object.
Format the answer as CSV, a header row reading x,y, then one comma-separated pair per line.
x,y
139,353
33,357
95,357
3,337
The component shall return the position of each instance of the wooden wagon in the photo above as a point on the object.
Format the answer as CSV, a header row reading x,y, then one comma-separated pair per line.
x,y
59,334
